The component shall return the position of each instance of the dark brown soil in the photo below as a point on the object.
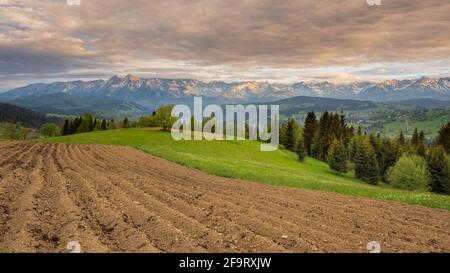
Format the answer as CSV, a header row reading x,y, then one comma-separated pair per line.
x,y
117,199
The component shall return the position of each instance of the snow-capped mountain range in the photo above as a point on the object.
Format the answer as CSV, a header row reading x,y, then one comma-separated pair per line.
x,y
155,91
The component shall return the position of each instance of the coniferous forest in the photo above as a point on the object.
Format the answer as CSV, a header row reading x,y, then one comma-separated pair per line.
x,y
407,163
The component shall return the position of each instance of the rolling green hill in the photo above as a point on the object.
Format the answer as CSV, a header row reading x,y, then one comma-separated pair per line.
x,y
78,105
243,160
14,114
302,104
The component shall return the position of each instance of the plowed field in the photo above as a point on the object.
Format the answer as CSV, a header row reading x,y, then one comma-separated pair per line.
x,y
117,199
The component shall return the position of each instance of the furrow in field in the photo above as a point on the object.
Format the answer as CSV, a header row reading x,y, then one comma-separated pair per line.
x,y
346,221
16,201
59,220
263,220
112,198
8,149
106,221
11,156
170,237
236,234
287,228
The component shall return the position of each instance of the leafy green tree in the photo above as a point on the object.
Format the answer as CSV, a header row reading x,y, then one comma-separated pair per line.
x,y
301,149
409,173
338,157
50,130
148,121
309,131
24,133
163,117
439,166
86,123
11,130
443,137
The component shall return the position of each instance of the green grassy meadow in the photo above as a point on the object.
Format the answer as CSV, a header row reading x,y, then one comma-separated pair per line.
x,y
430,127
244,160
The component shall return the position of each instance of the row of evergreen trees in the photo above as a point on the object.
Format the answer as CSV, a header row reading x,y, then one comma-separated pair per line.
x,y
87,123
331,140
161,117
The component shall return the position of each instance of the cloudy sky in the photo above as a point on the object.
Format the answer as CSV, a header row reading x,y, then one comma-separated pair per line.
x,y
231,40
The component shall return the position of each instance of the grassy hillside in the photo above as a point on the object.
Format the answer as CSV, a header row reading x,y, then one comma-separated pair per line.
x,y
243,159
303,104
14,114
77,105
428,120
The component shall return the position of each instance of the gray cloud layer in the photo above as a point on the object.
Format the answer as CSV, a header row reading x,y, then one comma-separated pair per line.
x,y
229,39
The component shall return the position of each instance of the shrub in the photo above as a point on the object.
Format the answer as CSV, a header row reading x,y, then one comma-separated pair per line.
x,y
409,173
11,130
24,133
50,130
162,117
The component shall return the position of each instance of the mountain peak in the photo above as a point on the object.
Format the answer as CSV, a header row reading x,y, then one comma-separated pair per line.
x,y
130,77
115,77
157,89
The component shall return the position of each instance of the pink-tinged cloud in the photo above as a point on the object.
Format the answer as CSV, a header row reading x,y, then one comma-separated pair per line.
x,y
225,39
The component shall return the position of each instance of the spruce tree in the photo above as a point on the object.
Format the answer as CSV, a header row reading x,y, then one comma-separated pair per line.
x,y
443,138
72,129
337,157
309,131
375,143
439,166
66,128
415,139
301,149
126,123
104,125
390,157
401,139
421,146
366,165
324,137
349,134
290,138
